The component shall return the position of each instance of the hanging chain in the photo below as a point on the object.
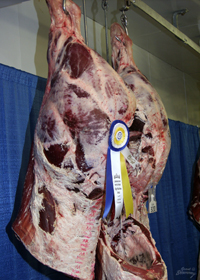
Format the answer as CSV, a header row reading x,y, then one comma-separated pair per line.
x,y
105,8
124,21
124,18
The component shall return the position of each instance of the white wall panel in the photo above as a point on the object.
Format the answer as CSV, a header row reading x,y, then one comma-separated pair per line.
x,y
169,83
28,32
10,53
193,99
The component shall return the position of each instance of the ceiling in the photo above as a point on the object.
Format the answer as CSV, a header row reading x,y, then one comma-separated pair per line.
x,y
189,23
150,35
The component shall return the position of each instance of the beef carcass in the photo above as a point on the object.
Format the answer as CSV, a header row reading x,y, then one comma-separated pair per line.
x,y
150,139
60,216
127,246
194,210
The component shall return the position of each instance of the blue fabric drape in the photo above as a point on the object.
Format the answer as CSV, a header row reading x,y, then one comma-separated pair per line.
x,y
21,96
176,236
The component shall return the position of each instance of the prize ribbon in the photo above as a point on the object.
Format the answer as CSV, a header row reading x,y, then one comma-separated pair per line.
x,y
117,181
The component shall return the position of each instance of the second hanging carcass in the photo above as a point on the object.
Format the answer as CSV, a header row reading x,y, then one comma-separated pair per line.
x,y
127,245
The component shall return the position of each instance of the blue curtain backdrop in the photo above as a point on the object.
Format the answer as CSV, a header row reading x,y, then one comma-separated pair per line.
x,y
176,236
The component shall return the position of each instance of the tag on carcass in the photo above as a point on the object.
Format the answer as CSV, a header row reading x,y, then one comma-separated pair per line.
x,y
117,181
152,199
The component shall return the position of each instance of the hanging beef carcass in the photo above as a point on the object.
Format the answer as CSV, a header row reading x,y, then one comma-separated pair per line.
x,y
127,246
60,216
150,139
195,202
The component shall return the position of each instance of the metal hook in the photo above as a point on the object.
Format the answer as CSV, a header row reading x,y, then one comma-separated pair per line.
x,y
64,7
118,39
104,5
176,14
126,6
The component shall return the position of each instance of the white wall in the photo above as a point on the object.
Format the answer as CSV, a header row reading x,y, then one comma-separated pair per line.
x,y
24,38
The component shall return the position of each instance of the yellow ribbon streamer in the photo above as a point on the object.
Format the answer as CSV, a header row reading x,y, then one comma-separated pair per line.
x,y
128,199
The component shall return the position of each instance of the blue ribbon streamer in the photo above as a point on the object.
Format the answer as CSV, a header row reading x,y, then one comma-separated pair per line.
x,y
109,186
